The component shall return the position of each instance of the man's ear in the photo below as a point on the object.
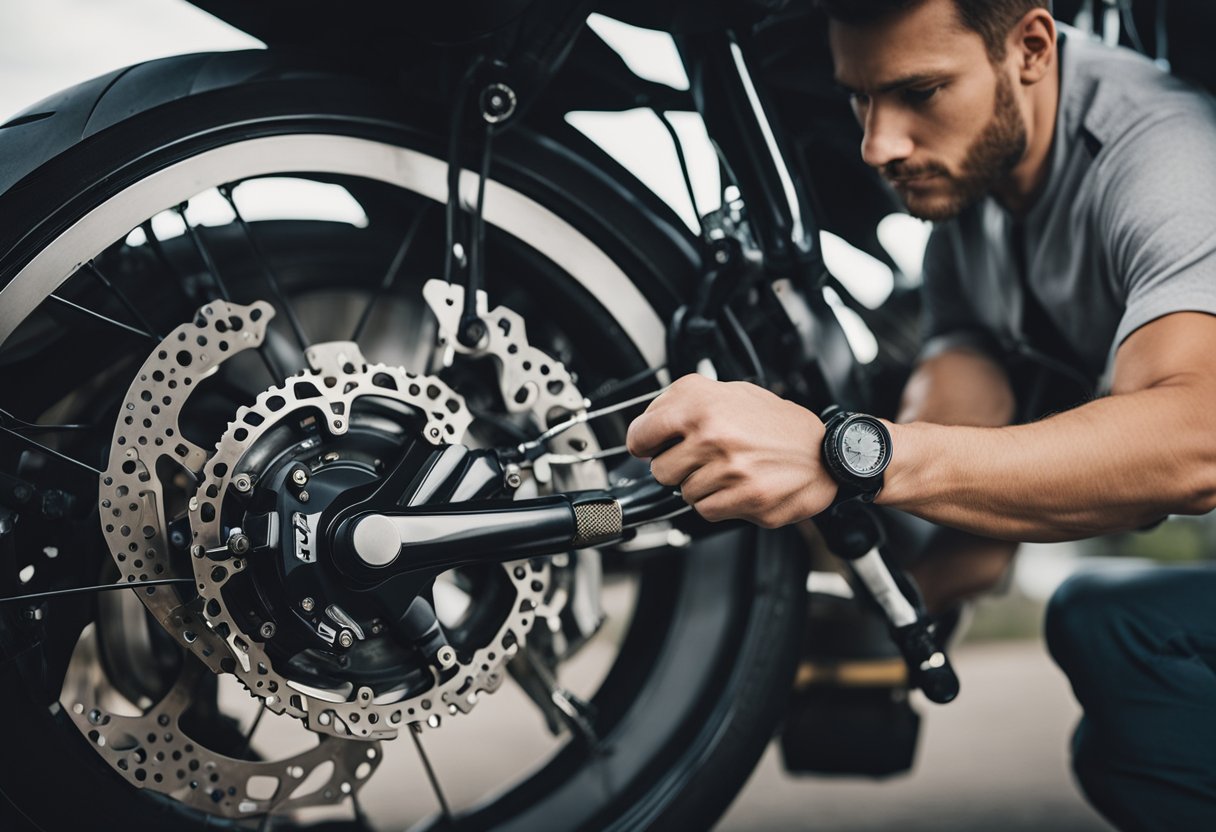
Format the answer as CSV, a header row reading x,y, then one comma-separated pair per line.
x,y
1032,43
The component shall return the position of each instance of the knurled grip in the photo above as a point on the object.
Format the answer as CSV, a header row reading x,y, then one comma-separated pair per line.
x,y
596,522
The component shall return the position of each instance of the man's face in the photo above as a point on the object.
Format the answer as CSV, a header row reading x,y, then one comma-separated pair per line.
x,y
942,123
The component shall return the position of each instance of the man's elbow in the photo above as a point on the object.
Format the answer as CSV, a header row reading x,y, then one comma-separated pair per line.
x,y
1199,496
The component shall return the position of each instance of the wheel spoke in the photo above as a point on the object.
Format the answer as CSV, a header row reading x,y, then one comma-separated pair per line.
x,y
97,316
257,720
122,297
430,773
158,251
78,590
390,277
196,237
292,319
38,446
20,424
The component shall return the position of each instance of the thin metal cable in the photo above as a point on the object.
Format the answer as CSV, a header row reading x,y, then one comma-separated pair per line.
x,y
293,320
76,307
77,590
390,276
587,416
91,267
430,773
48,451
21,423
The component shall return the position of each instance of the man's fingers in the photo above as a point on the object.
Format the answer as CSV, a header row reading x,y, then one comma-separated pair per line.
x,y
674,465
698,485
653,432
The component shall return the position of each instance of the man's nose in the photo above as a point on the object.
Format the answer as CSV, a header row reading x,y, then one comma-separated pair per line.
x,y
886,138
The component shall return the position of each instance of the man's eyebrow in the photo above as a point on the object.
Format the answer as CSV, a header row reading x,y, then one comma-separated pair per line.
x,y
903,82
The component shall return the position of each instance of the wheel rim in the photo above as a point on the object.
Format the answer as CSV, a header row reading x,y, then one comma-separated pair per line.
x,y
505,208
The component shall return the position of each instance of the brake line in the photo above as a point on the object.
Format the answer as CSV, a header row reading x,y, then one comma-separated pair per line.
x,y
528,449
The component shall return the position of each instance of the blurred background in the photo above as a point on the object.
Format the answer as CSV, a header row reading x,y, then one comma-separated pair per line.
x,y
994,760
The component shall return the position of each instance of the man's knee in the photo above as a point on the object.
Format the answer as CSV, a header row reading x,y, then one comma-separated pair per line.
x,y
1070,620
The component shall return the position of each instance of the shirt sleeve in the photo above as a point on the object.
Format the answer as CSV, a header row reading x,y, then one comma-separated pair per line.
x,y
948,319
1158,218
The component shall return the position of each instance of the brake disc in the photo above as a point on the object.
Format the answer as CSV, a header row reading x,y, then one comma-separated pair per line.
x,y
151,750
148,437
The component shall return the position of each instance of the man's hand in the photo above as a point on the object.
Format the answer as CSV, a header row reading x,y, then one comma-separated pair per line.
x,y
736,451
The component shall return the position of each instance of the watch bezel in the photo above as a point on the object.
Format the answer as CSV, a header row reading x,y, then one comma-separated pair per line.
x,y
840,469
883,435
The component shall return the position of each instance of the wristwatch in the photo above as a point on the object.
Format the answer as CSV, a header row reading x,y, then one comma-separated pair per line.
x,y
856,451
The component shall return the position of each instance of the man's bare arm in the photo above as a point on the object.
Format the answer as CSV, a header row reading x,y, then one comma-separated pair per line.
x,y
960,386
1113,464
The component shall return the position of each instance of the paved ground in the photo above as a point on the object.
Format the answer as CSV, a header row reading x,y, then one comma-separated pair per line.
x,y
993,760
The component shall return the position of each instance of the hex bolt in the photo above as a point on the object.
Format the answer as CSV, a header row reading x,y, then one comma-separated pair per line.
x,y
243,483
198,550
346,638
446,656
513,478
303,496
267,630
239,544
178,538
307,604
498,103
299,476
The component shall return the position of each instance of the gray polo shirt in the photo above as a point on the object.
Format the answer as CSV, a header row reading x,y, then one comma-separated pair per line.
x,y
1124,232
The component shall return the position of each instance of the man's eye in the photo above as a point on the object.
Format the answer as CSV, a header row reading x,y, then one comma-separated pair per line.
x,y
913,96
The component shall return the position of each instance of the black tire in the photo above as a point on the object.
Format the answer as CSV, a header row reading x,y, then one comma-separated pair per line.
x,y
726,613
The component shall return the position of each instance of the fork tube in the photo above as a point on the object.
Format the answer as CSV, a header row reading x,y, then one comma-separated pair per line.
x,y
753,149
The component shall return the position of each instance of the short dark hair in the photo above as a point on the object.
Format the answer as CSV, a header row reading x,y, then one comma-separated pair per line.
x,y
990,19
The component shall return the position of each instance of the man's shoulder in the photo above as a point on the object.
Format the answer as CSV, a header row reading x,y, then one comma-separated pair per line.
x,y
1111,94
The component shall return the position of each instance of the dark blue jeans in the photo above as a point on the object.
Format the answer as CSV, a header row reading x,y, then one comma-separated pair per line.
x,y
1139,646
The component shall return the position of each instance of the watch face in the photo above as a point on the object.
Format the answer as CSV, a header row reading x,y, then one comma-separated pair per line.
x,y
863,448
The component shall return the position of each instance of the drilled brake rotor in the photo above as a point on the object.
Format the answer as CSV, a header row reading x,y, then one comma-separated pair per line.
x,y
148,450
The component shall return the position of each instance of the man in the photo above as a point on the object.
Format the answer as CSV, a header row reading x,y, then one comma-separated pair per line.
x,y
1074,188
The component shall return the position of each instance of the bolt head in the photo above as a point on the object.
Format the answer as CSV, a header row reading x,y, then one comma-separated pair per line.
x,y
303,496
308,605
242,483
268,629
346,638
299,476
446,656
198,550
239,544
514,479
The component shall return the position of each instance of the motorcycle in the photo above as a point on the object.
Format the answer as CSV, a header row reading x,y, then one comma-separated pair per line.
x,y
356,470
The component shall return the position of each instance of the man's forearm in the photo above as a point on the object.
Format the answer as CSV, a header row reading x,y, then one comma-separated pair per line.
x,y
1114,464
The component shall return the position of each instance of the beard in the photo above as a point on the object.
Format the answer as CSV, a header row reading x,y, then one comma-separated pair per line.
x,y
989,159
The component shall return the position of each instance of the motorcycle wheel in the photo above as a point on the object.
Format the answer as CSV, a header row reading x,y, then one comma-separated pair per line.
x,y
703,670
